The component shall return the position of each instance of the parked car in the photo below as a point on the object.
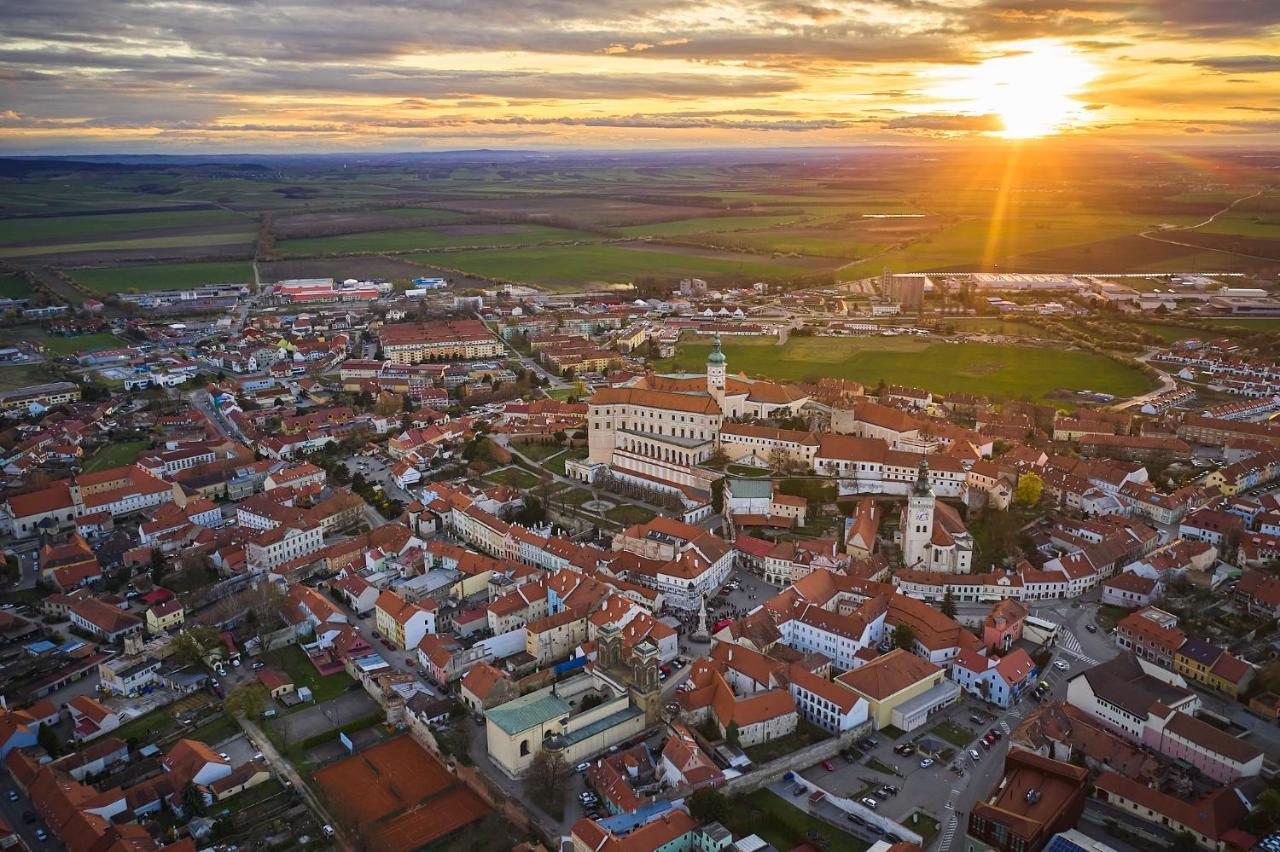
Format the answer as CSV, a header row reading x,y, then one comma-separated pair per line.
x,y
855,819
973,752
848,756
828,765
995,734
799,790
582,767
905,749
258,664
869,802
976,719
889,789
1061,665
13,795
42,835
926,763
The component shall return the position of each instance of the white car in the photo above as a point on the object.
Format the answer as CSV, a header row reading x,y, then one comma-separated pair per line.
x,y
1061,665
926,763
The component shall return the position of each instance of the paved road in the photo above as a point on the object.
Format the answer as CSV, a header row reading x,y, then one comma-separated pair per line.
x,y
13,811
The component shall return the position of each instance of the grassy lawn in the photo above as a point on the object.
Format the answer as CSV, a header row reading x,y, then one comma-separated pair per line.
x,y
805,734
785,826
561,393
556,464
983,368
743,470
221,728
537,452
426,239
13,287
892,732
880,766
923,825
1107,616
628,515
573,497
163,276
574,267
954,734
293,661
146,728
513,476
115,455
25,374
83,343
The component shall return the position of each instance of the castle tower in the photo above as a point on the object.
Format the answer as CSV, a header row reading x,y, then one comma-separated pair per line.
x,y
716,371
917,520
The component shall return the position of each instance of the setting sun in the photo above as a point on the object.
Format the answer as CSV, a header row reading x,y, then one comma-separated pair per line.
x,y
1031,90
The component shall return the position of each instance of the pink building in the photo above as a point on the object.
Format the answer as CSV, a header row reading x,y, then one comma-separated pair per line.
x,y
1003,626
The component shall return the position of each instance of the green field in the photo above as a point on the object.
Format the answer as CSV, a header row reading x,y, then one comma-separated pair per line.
x,y
705,225
970,243
22,375
1248,323
981,368
13,287
69,229
426,239
1169,333
83,343
177,241
571,267
115,455
984,325
163,276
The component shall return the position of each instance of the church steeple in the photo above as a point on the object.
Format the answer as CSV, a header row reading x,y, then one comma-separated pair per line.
x,y
716,356
716,370
922,486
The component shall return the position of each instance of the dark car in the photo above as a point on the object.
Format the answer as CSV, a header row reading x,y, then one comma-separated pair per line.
x,y
848,756
28,817
995,733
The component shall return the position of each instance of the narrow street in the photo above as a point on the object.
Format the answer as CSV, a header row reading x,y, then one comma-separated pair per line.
x,y
284,768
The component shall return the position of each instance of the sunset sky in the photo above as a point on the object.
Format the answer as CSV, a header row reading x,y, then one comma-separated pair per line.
x,y
189,75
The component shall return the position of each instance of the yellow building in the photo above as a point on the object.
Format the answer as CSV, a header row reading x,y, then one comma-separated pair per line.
x,y
902,682
165,616
555,637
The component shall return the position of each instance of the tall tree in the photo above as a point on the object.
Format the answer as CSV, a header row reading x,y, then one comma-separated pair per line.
x,y
1030,487
249,699
904,637
949,604
547,779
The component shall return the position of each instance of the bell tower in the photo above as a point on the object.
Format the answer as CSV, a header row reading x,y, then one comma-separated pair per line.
x,y
716,371
645,687
917,520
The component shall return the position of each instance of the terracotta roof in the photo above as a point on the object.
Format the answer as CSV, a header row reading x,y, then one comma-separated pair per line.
x,y
888,675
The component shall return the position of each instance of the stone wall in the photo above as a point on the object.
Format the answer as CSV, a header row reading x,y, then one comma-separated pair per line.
x,y
766,774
